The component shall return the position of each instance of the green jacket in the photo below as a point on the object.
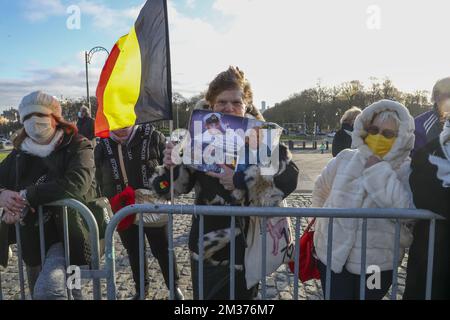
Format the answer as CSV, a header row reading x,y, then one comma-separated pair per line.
x,y
68,172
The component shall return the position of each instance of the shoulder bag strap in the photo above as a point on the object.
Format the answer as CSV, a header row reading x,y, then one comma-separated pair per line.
x,y
122,165
310,225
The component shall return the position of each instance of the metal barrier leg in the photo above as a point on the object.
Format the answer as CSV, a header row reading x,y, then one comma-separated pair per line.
x,y
430,258
171,249
110,264
95,260
200,257
20,262
141,257
41,235
329,253
66,245
171,253
395,262
296,256
264,258
362,279
232,257
201,248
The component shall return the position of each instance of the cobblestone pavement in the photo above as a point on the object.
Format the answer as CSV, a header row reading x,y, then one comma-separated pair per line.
x,y
280,285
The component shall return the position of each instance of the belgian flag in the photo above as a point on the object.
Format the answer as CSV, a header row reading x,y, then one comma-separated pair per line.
x,y
135,83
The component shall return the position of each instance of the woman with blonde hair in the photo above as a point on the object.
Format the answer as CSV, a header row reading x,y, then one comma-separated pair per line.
x,y
373,175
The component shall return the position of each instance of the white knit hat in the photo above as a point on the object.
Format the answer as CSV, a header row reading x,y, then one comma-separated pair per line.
x,y
39,102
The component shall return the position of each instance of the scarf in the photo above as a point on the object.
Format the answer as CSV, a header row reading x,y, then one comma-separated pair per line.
x,y
42,150
142,160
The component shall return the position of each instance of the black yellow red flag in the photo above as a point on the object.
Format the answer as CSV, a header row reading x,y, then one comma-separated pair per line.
x,y
135,83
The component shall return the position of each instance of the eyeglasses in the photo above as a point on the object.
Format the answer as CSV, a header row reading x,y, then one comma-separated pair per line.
x,y
387,133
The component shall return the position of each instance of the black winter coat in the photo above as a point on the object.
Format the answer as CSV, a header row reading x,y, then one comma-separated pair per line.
x,y
153,157
68,172
342,140
429,194
86,127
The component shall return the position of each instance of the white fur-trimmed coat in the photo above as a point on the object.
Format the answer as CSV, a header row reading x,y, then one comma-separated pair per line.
x,y
345,183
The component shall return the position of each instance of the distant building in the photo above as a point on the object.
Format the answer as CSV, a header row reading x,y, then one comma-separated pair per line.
x,y
263,106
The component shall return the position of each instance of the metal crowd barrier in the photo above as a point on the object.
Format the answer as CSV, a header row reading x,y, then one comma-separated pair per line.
x,y
201,211
89,218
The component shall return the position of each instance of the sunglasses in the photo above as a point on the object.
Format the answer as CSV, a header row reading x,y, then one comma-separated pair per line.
x,y
387,133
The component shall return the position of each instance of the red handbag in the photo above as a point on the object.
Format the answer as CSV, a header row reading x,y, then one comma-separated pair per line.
x,y
308,263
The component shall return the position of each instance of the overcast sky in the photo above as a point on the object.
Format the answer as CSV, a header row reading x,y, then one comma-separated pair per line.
x,y
284,46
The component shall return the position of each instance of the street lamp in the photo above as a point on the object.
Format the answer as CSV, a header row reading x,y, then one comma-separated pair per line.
x,y
87,58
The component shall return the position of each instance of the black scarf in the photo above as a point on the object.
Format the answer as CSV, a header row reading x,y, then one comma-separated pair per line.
x,y
112,154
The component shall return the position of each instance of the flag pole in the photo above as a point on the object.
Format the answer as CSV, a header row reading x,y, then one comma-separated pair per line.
x,y
171,248
172,196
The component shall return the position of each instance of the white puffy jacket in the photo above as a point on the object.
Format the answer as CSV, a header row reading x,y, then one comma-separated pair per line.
x,y
345,183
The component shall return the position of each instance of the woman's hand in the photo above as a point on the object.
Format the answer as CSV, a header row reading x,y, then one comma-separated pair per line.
x,y
225,178
10,217
12,202
372,160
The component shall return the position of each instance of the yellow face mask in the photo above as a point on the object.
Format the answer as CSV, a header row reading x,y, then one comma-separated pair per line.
x,y
379,145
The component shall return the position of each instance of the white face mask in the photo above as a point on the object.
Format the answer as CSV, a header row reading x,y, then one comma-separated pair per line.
x,y
39,129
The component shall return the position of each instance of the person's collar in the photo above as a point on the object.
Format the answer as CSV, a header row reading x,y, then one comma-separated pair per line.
x,y
347,127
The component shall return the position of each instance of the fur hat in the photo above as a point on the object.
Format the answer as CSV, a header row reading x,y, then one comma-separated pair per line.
x,y
39,102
